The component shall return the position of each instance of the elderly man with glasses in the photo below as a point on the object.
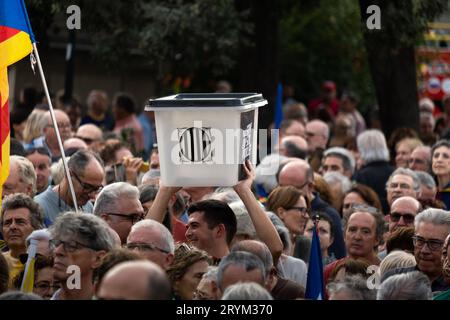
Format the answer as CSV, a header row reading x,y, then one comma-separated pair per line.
x,y
87,173
80,242
432,226
152,241
118,204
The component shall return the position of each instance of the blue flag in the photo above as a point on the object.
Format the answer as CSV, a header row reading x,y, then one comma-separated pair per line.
x,y
279,107
315,289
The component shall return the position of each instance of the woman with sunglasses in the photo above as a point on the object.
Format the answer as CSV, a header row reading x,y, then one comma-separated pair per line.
x,y
291,207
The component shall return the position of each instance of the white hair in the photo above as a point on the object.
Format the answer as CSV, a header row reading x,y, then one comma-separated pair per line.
x,y
437,217
108,199
246,291
26,171
165,239
372,146
244,222
406,286
266,171
333,177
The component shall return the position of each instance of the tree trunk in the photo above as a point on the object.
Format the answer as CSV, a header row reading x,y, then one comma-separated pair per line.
x,y
258,64
393,71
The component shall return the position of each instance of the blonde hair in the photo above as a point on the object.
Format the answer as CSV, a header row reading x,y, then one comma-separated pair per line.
x,y
397,259
34,125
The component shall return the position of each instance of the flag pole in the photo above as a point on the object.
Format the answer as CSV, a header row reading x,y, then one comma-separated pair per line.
x,y
55,125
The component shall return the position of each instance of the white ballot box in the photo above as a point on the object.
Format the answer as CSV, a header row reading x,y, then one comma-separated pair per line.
x,y
205,138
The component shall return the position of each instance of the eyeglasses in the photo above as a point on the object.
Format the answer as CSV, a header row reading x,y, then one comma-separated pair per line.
x,y
40,150
61,126
416,160
407,217
302,210
89,188
69,246
133,217
433,245
45,286
144,247
404,186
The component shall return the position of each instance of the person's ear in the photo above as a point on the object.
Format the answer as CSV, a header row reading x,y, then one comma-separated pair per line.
x,y
169,259
97,259
221,230
280,212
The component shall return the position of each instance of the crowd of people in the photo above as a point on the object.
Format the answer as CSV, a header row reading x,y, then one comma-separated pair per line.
x,y
380,206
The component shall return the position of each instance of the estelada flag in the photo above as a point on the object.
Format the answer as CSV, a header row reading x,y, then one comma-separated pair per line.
x,y
16,38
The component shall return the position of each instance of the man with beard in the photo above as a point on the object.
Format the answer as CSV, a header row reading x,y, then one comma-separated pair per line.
x,y
20,216
87,172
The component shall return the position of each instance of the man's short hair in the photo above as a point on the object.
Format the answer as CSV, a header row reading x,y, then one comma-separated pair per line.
x,y
125,102
246,291
375,213
406,286
112,259
247,260
88,228
348,161
259,249
21,200
165,240
426,179
108,199
216,212
406,172
26,171
80,159
355,286
437,217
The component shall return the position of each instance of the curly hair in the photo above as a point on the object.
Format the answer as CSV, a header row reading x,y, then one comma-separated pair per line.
x,y
184,257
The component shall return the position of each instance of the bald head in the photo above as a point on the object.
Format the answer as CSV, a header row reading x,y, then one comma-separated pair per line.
x,y
74,143
89,132
293,146
420,159
403,212
135,280
317,134
296,173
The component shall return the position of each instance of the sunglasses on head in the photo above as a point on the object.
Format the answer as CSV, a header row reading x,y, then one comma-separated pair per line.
x,y
40,150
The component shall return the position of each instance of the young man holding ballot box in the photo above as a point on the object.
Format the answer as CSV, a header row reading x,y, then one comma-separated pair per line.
x,y
208,232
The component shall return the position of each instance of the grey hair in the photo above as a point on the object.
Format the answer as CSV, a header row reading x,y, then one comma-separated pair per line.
x,y
109,198
372,146
80,159
437,217
262,252
406,286
247,260
84,226
406,172
26,171
266,171
348,160
396,259
57,171
333,177
21,200
244,222
426,179
225,194
211,274
165,240
374,212
246,291
355,286
283,232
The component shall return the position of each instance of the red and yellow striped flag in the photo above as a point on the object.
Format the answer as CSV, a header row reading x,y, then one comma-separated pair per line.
x,y
16,38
